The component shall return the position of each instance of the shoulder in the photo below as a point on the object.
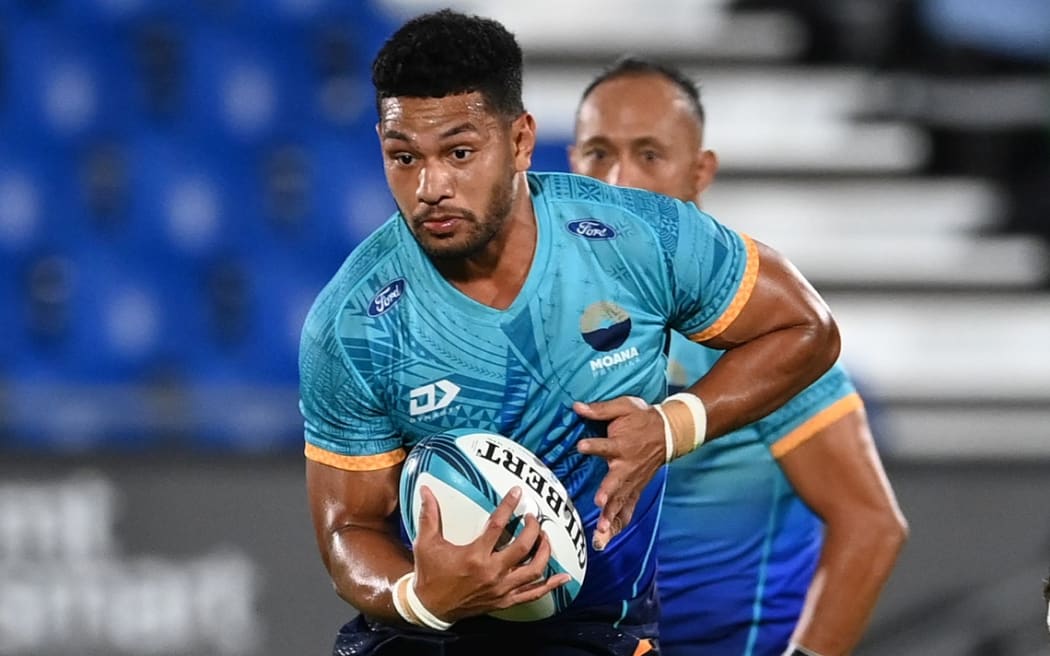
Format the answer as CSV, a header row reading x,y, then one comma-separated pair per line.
x,y
631,204
635,217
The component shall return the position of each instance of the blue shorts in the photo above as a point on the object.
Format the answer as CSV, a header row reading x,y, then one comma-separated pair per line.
x,y
363,637
598,631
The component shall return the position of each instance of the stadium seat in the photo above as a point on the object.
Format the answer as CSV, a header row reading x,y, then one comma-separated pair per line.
x,y
65,84
239,88
121,324
349,191
24,204
182,207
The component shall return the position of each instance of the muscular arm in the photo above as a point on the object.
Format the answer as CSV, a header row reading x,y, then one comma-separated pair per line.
x,y
353,514
837,472
783,339
356,530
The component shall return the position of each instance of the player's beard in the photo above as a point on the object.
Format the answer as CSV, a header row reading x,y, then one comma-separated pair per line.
x,y
475,234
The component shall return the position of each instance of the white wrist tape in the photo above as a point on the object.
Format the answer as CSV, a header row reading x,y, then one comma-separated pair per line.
x,y
697,412
417,607
395,595
668,435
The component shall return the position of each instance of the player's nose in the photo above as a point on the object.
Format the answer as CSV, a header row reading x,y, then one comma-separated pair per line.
x,y
434,185
621,175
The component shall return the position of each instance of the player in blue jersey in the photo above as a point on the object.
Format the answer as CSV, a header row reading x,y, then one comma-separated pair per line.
x,y
748,520
537,306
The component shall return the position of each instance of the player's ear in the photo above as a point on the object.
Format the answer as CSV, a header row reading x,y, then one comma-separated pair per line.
x,y
523,133
706,168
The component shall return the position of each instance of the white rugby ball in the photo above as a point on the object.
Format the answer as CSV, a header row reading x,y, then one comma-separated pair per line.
x,y
469,473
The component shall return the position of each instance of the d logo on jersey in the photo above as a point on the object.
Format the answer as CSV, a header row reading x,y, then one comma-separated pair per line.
x,y
431,398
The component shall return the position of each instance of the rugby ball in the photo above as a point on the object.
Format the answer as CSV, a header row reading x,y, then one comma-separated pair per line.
x,y
469,473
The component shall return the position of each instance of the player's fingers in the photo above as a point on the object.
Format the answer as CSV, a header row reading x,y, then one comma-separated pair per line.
x,y
535,568
625,515
429,516
610,521
522,545
601,538
609,488
533,591
608,530
499,519
609,410
598,446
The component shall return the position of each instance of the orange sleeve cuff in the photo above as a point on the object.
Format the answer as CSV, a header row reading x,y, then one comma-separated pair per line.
x,y
816,423
743,294
354,463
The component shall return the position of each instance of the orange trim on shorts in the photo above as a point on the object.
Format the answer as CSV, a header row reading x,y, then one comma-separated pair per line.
x,y
743,294
354,463
644,647
816,423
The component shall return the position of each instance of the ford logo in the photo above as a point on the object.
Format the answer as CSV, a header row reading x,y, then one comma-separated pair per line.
x,y
590,229
386,297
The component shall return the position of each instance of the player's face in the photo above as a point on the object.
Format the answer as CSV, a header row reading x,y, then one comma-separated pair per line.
x,y
641,131
452,167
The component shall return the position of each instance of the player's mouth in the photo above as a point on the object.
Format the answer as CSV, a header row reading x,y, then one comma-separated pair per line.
x,y
440,225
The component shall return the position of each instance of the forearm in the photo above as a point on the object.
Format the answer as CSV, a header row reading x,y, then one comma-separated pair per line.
x,y
755,378
364,564
855,563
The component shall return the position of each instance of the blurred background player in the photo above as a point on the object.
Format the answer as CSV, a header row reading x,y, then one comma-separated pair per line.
x,y
523,294
787,529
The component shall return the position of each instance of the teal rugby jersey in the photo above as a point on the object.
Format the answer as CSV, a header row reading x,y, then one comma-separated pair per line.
x,y
391,352
738,547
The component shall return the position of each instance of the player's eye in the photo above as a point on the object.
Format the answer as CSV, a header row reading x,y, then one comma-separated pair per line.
x,y
595,154
461,154
404,159
651,155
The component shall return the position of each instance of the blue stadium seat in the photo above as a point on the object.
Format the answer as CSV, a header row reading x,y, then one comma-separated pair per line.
x,y
123,328
351,196
70,419
242,392
247,322
44,286
103,12
26,204
243,89
289,11
178,180
180,203
10,317
63,84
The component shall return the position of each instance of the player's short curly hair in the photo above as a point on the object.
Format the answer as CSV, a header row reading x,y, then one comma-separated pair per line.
x,y
629,65
446,53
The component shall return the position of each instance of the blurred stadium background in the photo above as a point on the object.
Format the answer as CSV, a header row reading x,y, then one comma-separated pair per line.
x,y
178,178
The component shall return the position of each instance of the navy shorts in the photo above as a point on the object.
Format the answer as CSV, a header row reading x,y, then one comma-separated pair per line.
x,y
363,637
617,629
